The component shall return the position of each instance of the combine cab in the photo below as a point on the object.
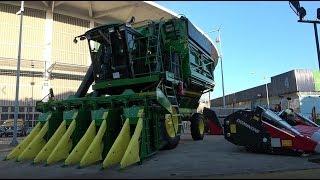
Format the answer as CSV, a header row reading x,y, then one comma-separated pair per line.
x,y
146,80
262,130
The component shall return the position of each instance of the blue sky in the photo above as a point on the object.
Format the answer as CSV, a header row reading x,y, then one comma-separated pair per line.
x,y
260,37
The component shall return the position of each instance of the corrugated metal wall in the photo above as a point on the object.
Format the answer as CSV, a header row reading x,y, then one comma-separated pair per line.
x,y
33,32
65,28
304,80
299,80
8,89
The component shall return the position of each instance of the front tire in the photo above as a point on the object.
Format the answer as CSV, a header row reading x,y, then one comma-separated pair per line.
x,y
170,129
197,126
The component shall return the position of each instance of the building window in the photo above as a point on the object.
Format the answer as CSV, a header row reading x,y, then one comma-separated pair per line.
x,y
29,117
21,109
30,109
21,116
4,117
5,109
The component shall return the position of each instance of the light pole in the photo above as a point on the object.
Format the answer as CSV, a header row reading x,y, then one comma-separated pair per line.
x,y
218,40
14,141
301,12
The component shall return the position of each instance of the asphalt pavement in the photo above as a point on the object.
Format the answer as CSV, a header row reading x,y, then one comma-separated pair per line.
x,y
213,157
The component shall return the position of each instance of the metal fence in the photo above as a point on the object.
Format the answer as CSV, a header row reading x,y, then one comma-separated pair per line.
x,y
27,117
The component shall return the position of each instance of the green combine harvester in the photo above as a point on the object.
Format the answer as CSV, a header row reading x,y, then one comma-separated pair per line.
x,y
146,79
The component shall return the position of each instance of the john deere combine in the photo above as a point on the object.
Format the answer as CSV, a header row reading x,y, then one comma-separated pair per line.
x,y
146,79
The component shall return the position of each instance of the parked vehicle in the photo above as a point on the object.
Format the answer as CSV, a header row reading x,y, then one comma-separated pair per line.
x,y
262,130
7,128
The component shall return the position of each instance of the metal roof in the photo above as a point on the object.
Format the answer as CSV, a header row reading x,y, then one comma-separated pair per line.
x,y
108,11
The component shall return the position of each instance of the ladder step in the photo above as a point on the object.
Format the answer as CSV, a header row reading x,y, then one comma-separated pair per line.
x,y
171,96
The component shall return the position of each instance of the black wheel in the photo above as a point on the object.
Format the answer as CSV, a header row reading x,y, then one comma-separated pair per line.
x,y
170,129
197,126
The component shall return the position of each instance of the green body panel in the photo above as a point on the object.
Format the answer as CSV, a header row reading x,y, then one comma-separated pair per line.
x,y
54,122
83,120
99,115
44,117
316,78
133,113
126,82
70,115
114,125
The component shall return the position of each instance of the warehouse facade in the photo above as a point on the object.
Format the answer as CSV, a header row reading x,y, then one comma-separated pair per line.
x,y
49,58
298,89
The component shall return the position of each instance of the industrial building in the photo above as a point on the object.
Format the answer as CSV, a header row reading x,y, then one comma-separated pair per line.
x,y
298,89
49,58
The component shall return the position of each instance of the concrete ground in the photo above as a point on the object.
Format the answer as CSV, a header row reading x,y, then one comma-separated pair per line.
x,y
213,157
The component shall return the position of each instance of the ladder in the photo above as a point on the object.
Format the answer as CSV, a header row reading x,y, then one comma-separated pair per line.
x,y
171,95
153,46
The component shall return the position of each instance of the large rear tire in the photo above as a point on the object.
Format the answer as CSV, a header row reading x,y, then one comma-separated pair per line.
x,y
197,126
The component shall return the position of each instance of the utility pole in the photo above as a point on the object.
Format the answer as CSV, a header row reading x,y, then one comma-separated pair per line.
x,y
220,56
301,12
223,96
14,141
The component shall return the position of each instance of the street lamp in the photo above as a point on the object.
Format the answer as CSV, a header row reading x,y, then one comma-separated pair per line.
x,y
301,12
218,40
14,141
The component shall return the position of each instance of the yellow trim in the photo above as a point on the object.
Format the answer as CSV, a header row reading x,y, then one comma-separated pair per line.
x,y
286,143
61,151
233,128
256,118
22,146
119,146
172,129
131,155
201,126
94,152
81,148
53,141
36,145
